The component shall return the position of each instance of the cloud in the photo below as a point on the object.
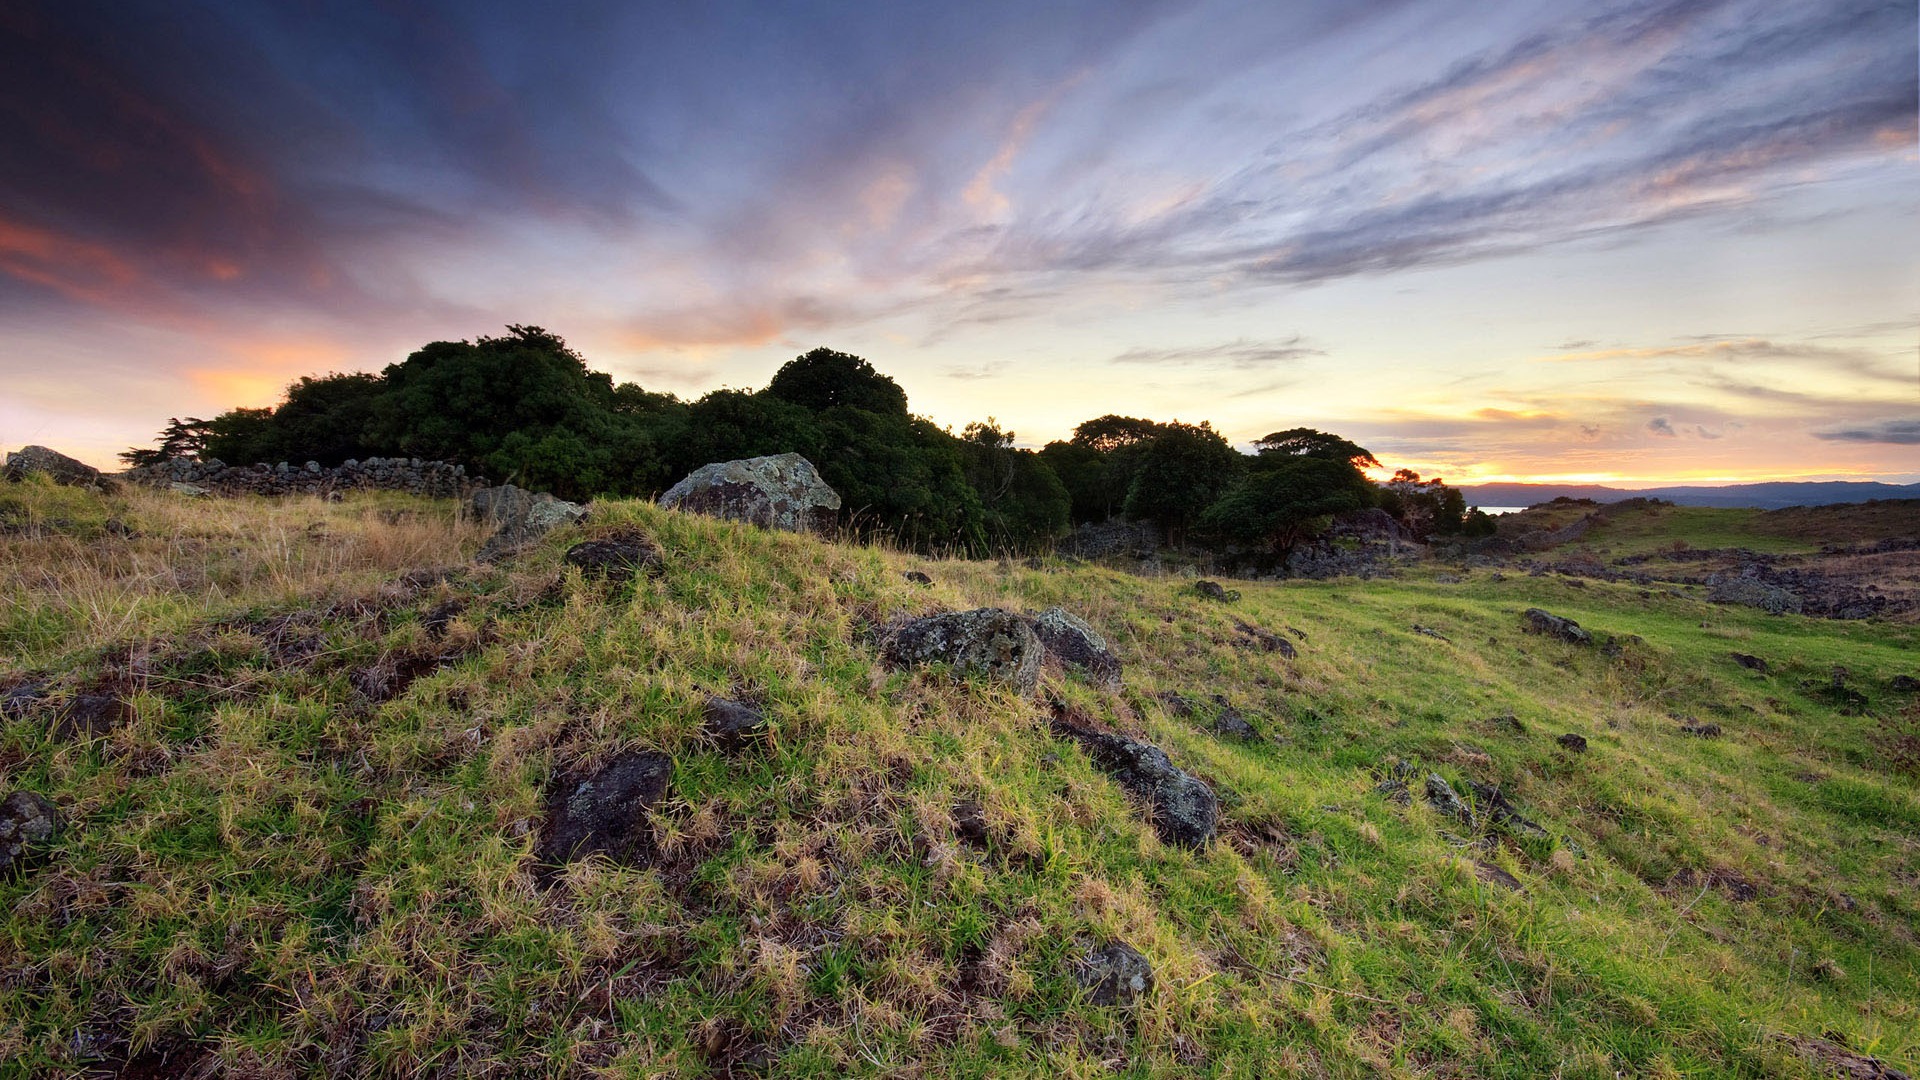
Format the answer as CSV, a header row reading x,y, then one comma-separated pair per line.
x,y
1902,431
1662,427
1240,354
1701,430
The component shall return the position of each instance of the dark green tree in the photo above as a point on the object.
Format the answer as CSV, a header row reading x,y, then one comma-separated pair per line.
x,y
1024,504
240,436
1307,442
179,439
826,379
1287,502
1181,472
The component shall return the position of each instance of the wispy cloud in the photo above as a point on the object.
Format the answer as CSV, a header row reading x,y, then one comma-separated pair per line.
x,y
1662,427
1901,431
1240,354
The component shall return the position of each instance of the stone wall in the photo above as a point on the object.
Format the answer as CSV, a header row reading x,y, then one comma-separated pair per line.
x,y
412,475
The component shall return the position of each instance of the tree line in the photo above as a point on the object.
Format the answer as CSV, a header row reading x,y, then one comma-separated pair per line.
x,y
524,407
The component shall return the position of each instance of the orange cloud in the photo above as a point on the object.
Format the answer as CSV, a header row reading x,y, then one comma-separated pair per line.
x,y
260,370
78,268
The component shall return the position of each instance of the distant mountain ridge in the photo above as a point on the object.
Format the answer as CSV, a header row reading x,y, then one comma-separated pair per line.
x,y
1771,495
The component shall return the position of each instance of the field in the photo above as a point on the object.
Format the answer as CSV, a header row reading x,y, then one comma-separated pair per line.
x,y
302,754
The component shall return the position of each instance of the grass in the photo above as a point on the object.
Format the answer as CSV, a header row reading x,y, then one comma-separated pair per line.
x,y
269,871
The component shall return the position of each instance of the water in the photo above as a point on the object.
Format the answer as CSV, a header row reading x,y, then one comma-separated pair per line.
x,y
1496,511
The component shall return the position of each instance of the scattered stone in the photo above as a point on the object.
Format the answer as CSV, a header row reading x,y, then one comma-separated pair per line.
x,y
783,491
917,577
91,715
1231,725
1492,804
1442,797
1827,971
520,517
1750,662
617,557
1705,731
436,619
1185,811
1507,722
605,813
191,491
1266,640
1904,684
1750,589
1540,622
20,700
1493,875
55,466
1447,579
1115,974
120,529
1428,631
1573,742
26,818
970,825
1841,1061
1297,632
1213,590
986,641
1077,644
1394,782
732,725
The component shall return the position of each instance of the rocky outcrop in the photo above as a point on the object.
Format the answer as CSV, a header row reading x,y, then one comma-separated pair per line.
x,y
1099,540
435,479
1749,588
1076,644
1115,974
985,641
779,492
1184,810
1541,622
607,813
520,517
26,819
55,466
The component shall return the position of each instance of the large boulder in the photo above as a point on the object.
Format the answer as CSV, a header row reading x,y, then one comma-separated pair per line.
x,y
1075,643
26,819
779,492
519,517
986,641
1184,809
61,469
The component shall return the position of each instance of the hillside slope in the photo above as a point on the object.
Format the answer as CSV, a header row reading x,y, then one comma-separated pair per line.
x,y
303,753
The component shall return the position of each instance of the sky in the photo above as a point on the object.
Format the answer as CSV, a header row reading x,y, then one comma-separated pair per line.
x,y
1644,242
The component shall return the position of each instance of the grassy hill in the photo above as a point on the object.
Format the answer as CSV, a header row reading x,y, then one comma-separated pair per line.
x,y
302,752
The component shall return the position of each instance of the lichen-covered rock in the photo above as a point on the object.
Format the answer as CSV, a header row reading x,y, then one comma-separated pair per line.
x,y
985,641
616,558
1115,974
1442,797
211,476
26,819
1076,643
61,469
1540,622
1748,589
605,813
783,491
519,516
1213,590
1185,811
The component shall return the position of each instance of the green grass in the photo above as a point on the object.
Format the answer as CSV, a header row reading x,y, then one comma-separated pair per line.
x,y
262,866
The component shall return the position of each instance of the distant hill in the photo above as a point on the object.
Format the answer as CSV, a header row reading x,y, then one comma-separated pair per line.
x,y
1767,496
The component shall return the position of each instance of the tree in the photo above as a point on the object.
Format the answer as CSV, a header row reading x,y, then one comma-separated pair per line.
x,y
179,439
1024,504
239,436
1181,472
1288,502
1423,507
825,379
1307,442
1082,471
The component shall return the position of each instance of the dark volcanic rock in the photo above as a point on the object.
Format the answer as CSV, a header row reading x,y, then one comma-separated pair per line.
x,y
1750,662
1905,684
918,577
986,641
90,715
1077,644
783,491
17,701
1393,782
617,557
1494,805
732,725
61,469
1185,811
436,619
1213,590
1573,742
1231,724
1442,797
1115,974
1493,875
1267,640
520,517
1540,622
970,825
606,813
1705,731
26,819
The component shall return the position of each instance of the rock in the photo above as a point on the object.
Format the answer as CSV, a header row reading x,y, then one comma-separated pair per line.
x,y
519,517
985,641
917,577
971,827
26,819
1115,974
1442,797
1267,640
732,725
20,700
605,813
1749,588
1573,742
1494,805
779,492
1751,663
1076,644
1839,1061
436,619
1184,809
1428,631
1540,622
90,715
1704,731
1213,590
617,557
1230,724
1493,875
1393,782
1904,684
55,466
